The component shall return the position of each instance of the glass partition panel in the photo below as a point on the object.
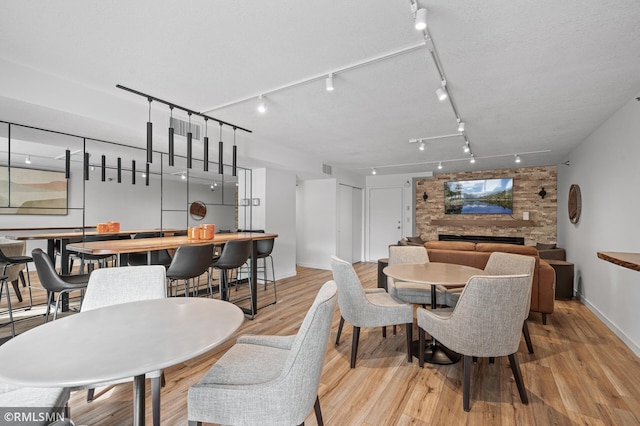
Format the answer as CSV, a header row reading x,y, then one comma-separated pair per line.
x,y
174,192
4,162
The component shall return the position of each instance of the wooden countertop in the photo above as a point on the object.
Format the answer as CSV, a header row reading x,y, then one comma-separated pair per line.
x,y
626,260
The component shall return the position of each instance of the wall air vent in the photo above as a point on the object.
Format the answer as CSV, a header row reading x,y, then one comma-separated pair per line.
x,y
326,169
181,127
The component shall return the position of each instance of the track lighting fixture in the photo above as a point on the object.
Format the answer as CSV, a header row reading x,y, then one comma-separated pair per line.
x,y
220,154
421,19
329,83
206,145
440,165
442,91
149,136
473,159
262,106
133,172
461,126
171,142
183,176
119,170
103,170
421,147
27,160
373,171
465,147
189,145
517,158
146,175
234,162
86,166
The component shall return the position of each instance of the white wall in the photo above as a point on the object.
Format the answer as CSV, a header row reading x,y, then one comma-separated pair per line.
x,y
316,215
605,166
280,212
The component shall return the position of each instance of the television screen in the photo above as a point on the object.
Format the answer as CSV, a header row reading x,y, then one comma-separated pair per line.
x,y
485,196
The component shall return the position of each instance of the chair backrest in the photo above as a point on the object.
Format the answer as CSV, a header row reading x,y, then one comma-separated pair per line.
x,y
303,367
158,257
509,264
407,254
234,254
190,261
10,248
265,247
487,320
49,278
111,286
351,297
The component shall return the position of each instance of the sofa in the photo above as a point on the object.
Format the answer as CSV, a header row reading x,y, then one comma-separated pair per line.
x,y
477,255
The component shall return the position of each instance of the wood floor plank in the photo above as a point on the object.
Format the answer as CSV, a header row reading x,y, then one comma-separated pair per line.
x,y
580,373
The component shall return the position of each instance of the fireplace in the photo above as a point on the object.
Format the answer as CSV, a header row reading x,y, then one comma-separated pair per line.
x,y
482,239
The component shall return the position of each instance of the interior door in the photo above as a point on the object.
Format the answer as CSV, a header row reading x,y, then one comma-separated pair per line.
x,y
345,223
385,220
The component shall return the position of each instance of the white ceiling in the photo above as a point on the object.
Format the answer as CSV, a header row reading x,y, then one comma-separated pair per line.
x,y
525,76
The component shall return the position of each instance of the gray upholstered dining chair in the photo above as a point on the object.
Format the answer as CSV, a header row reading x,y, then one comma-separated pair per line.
x,y
279,389
367,309
44,401
501,264
111,286
485,322
409,292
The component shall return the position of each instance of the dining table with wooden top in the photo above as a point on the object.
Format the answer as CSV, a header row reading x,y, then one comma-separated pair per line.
x,y
149,245
434,274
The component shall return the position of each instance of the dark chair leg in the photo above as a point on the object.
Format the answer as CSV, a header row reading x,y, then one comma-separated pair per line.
x,y
492,360
163,382
544,319
517,375
527,337
155,400
384,332
195,423
316,408
16,290
409,327
339,331
394,330
421,347
466,371
475,359
90,394
354,345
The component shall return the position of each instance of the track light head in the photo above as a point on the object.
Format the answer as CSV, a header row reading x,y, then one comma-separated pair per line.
x,y
517,158
473,159
440,165
421,147
262,106
465,147
461,126
442,93
421,19
27,159
373,171
329,83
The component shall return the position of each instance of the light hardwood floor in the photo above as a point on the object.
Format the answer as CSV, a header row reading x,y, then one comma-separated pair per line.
x,y
580,373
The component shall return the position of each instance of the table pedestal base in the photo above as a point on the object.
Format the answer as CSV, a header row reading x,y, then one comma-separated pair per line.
x,y
435,354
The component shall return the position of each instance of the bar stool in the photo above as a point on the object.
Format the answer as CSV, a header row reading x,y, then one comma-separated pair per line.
x,y
3,281
264,248
188,263
234,254
11,255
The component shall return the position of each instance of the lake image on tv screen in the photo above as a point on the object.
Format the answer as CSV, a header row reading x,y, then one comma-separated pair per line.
x,y
486,196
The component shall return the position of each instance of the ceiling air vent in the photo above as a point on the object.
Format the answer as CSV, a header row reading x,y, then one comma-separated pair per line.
x,y
181,127
326,169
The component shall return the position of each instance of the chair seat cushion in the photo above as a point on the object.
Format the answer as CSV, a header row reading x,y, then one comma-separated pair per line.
x,y
19,259
16,396
416,293
246,364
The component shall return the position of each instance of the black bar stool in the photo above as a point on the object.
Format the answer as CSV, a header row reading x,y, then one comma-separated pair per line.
x,y
18,260
234,254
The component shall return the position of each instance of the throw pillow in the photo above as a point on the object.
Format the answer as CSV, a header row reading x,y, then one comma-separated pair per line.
x,y
416,240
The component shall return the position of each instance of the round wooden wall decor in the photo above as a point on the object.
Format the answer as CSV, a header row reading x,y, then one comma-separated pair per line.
x,y
198,210
575,203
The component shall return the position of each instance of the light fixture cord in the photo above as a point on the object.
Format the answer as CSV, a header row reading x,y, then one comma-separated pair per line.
x,y
220,132
150,100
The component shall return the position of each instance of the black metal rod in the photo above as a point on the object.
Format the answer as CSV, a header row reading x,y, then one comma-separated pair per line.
x,y
220,157
189,150
149,142
146,175
67,164
104,168
172,154
206,154
86,166
171,104
119,170
234,164
133,172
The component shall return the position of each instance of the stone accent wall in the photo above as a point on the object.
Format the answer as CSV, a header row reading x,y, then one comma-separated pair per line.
x,y
527,182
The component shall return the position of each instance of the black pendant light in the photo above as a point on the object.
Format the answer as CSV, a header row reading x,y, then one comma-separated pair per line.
x,y
206,145
67,164
146,175
171,144
149,136
104,168
133,172
220,153
234,164
86,166
189,145
119,170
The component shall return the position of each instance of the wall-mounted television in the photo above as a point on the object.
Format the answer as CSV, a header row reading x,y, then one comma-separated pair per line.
x,y
483,196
